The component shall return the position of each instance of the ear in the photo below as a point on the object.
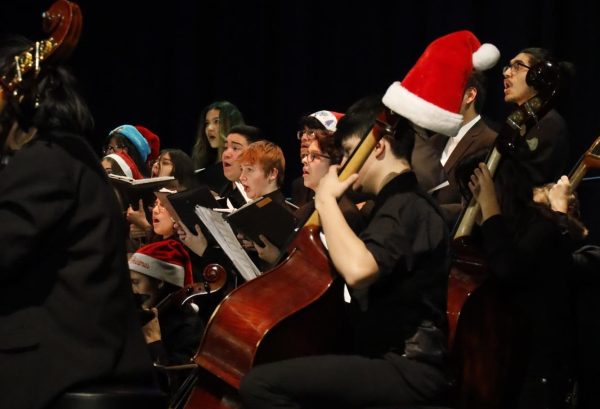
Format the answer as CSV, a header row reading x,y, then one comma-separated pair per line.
x,y
470,95
380,148
273,174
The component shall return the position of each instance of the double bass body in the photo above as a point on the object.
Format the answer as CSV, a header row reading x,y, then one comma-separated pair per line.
x,y
292,310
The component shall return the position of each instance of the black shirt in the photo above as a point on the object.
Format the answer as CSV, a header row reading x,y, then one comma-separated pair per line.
x,y
404,311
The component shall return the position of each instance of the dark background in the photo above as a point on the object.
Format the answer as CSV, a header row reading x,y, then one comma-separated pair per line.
x,y
158,64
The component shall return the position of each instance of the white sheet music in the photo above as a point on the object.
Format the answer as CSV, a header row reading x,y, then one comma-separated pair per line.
x,y
222,232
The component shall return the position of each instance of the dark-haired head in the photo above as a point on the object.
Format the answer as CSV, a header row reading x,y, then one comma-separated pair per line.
x,y
478,80
251,133
357,122
538,55
229,115
182,168
402,141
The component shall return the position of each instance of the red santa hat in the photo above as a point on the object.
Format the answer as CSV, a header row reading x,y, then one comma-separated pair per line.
x,y
328,119
166,260
126,164
153,141
430,94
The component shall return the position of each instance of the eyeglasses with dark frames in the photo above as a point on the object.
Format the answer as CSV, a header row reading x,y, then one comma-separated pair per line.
x,y
514,67
310,156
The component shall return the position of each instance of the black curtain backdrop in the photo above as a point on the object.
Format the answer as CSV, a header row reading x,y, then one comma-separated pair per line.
x,y
158,64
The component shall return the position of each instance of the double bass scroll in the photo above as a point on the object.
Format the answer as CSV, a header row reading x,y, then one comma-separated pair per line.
x,y
63,22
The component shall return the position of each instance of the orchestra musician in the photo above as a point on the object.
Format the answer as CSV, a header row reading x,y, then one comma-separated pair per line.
x,y
546,151
173,332
65,287
395,270
529,257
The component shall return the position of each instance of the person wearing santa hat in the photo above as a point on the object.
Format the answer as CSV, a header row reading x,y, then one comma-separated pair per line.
x,y
173,333
396,270
435,157
127,138
318,123
153,143
121,164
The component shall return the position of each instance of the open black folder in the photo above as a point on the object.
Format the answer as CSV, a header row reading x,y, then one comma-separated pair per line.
x,y
264,216
130,190
181,206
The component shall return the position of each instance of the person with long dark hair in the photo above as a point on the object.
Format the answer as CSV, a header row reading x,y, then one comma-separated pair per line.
x,y
67,308
215,121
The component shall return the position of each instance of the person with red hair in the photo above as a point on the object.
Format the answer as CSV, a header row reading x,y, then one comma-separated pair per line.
x,y
263,171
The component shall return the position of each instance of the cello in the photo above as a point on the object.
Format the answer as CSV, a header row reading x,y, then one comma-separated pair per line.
x,y
481,334
291,310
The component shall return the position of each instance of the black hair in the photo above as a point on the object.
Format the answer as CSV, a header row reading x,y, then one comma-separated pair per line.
x,y
539,55
251,133
359,118
402,141
183,168
478,80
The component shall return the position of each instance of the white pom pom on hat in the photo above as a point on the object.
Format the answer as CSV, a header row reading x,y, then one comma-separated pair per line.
x,y
430,95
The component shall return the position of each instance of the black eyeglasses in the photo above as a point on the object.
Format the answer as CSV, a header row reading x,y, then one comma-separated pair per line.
x,y
515,67
111,149
311,133
310,156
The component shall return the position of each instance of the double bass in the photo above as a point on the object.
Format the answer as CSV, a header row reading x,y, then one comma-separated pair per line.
x,y
481,334
292,310
481,326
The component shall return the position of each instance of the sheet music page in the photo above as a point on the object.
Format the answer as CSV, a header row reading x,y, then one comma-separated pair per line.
x,y
223,233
